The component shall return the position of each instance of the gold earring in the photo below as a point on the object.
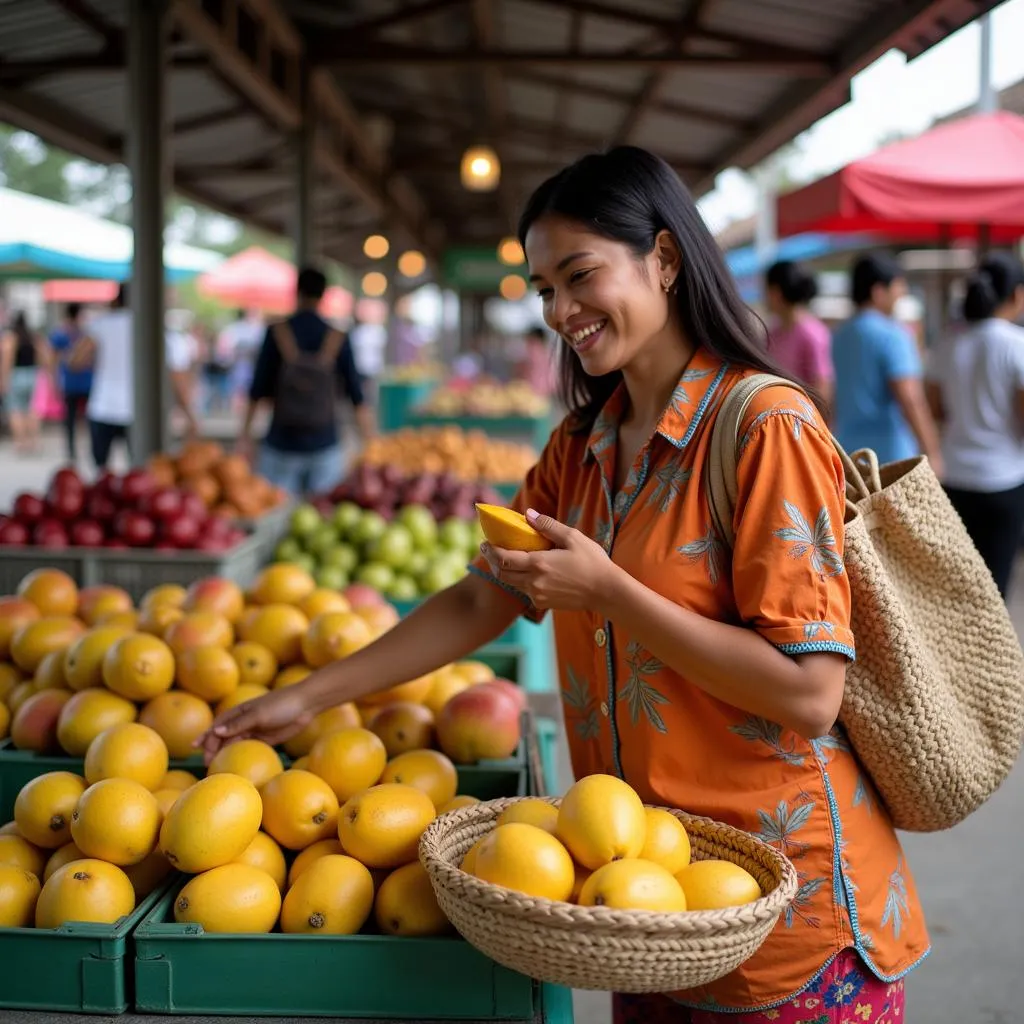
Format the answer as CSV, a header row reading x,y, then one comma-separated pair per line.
x,y
668,286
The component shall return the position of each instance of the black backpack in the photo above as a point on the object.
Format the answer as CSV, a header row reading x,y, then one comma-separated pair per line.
x,y
307,392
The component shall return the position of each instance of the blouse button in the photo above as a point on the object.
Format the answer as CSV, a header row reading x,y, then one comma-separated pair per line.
x,y
600,637
604,708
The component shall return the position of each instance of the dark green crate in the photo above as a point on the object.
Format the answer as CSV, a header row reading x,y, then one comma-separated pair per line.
x,y
85,968
507,661
490,780
20,766
179,969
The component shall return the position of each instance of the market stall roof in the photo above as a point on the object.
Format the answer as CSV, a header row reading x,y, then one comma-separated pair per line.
x,y
952,181
43,240
397,89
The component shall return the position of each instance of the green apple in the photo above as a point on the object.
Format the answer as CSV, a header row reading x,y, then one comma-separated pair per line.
x,y
307,562
441,575
403,588
346,515
322,541
420,522
370,526
395,546
288,550
418,563
456,535
376,575
305,520
331,577
343,557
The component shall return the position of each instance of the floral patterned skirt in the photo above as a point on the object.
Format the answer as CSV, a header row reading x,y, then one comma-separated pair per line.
x,y
846,992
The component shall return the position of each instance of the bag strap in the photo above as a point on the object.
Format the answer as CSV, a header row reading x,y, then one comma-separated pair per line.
x,y
286,344
330,347
863,477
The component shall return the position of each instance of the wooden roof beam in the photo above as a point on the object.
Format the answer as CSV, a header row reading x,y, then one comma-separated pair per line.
x,y
86,15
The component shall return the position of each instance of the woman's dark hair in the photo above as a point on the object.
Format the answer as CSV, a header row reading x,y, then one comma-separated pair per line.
x,y
873,269
629,195
795,285
992,285
20,329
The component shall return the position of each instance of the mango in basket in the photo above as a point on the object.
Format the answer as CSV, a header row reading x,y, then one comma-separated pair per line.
x,y
506,528
601,819
633,885
527,859
714,884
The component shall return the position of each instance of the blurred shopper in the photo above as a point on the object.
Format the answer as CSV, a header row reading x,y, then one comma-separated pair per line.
x,y
23,356
798,341
537,366
976,390
108,348
879,393
243,337
302,450
74,384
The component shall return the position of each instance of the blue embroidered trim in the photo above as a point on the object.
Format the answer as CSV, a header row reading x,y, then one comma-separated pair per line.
x,y
491,578
819,647
699,414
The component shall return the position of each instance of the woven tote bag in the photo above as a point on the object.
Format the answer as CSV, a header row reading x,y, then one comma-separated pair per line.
x,y
934,703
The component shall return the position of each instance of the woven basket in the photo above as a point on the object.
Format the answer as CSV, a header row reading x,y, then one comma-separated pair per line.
x,y
598,948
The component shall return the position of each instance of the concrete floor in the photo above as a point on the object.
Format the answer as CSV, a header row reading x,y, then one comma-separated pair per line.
x,y
971,879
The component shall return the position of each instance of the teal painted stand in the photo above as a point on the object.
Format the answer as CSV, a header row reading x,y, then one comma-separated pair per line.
x,y
533,430
397,399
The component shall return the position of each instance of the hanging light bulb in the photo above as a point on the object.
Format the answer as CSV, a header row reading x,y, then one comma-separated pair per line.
x,y
375,284
512,287
480,169
510,252
412,263
376,247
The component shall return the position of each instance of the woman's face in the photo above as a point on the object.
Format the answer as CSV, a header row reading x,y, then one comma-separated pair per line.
x,y
774,300
603,302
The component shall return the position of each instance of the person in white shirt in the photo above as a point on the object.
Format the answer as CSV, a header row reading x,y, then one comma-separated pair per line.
x,y
108,348
976,390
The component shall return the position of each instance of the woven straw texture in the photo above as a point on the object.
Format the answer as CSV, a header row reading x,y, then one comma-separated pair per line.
x,y
597,948
934,704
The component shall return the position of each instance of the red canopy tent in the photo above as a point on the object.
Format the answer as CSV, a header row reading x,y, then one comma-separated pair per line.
x,y
257,279
964,179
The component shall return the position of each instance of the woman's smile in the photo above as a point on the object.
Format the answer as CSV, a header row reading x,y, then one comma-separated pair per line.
x,y
583,339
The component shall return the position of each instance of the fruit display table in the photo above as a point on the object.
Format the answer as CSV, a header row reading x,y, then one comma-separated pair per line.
x,y
397,399
533,430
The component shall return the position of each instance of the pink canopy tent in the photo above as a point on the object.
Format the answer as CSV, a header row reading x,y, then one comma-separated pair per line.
x,y
963,179
257,279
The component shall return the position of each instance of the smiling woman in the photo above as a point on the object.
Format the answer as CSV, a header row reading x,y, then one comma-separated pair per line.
x,y
709,677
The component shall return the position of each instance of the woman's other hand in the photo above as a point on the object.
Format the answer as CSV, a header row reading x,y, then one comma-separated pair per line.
x,y
273,718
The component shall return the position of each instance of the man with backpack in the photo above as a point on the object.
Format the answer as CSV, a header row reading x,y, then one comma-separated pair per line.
x,y
304,367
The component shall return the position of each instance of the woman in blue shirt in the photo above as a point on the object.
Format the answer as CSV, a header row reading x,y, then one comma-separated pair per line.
x,y
879,396
75,384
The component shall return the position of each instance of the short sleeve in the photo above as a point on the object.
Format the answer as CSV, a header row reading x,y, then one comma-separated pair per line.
x,y
538,491
789,579
819,352
900,357
349,374
1012,344
179,358
264,375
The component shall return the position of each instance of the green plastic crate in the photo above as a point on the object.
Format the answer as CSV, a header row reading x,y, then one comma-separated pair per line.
x,y
397,399
77,968
507,661
532,430
20,766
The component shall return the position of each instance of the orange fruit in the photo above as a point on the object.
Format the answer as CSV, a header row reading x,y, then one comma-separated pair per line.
x,y
531,811
667,843
344,716
44,806
116,820
50,673
715,884
89,713
333,636
251,759
20,694
265,854
199,629
128,621
321,848
211,824
299,808
96,603
234,898
415,691
169,595
428,770
148,873
256,663
403,726
527,859
15,612
445,686
406,904
166,799
349,761
282,583
457,803
19,852
83,660
280,628
158,618
245,692
333,896
53,592
469,857
178,778
33,642
291,675
213,594
601,819
127,751
9,679
208,672
19,891
85,890
139,666
381,826
633,885
320,601
473,672
179,718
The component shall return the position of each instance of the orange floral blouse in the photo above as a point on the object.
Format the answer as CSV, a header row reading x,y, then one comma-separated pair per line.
x,y
629,715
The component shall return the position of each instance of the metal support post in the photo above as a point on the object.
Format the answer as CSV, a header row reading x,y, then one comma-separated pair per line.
x,y
305,170
146,159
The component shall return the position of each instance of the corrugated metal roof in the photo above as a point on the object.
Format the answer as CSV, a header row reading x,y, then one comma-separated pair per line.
x,y
419,75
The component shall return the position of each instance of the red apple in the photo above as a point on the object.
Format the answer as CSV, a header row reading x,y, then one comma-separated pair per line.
x,y
100,506
115,544
14,534
361,595
479,723
66,501
506,686
192,505
163,503
29,508
50,533
87,533
136,484
181,530
66,477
